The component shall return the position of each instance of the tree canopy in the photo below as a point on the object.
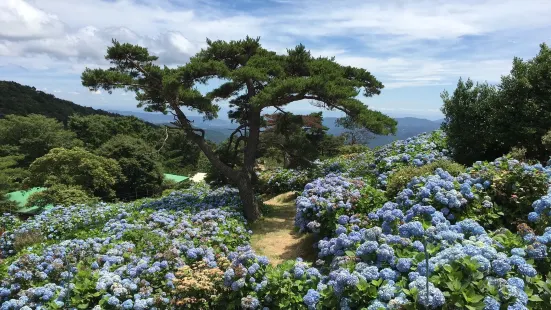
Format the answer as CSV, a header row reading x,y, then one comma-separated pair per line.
x,y
253,79
34,135
296,138
139,164
94,174
484,122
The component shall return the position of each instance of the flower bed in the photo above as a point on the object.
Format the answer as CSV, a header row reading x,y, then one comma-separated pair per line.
x,y
473,240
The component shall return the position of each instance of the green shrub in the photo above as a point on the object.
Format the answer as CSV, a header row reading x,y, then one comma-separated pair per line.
x,y
285,289
284,180
546,140
518,153
370,199
168,186
59,194
399,179
515,186
353,149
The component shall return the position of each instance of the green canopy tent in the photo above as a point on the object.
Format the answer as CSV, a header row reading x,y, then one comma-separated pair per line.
x,y
176,178
21,197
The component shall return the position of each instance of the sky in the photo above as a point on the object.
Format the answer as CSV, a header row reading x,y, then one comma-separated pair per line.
x,y
416,48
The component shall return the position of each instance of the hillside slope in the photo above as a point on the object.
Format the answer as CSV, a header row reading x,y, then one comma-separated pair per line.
x,y
24,100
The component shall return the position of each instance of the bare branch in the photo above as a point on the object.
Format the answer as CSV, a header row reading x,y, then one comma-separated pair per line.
x,y
237,130
280,110
164,142
239,139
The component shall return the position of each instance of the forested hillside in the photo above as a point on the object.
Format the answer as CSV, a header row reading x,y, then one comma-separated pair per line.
x,y
19,99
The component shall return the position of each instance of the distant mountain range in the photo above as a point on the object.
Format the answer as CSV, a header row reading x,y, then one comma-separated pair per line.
x,y
23,100
219,129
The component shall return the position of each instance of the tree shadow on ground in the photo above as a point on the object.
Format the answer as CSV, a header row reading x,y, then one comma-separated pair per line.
x,y
275,236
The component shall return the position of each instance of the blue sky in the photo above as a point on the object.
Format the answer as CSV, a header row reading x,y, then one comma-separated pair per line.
x,y
416,48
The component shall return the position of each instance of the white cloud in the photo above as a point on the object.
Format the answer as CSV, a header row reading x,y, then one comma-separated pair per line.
x,y
74,93
19,20
97,92
404,43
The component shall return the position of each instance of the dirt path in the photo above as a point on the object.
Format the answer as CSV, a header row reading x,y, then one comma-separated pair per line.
x,y
275,236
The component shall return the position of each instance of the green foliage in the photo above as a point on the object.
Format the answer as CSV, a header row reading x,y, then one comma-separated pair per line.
x,y
168,186
463,284
469,126
24,100
330,146
97,175
297,139
84,293
514,187
518,153
33,136
179,154
370,199
398,180
60,194
95,130
284,180
355,165
139,165
285,290
145,240
484,122
10,176
546,140
353,149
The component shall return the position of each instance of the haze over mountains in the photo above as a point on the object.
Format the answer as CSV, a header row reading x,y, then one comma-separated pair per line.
x,y
219,129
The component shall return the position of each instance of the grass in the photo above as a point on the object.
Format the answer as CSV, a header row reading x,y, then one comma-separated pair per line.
x,y
275,236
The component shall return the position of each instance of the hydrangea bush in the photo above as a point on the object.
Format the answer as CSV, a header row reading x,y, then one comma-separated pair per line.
x,y
415,151
284,180
473,240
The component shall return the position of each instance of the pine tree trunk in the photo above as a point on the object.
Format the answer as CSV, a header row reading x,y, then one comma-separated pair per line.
x,y
251,208
242,179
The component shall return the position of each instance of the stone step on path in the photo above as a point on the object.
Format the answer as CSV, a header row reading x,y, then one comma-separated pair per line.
x,y
275,236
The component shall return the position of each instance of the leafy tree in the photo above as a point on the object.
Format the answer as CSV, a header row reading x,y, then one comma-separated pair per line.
x,y
470,122
254,79
330,146
524,110
484,122
355,133
179,154
139,163
96,175
294,137
9,177
34,135
95,130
